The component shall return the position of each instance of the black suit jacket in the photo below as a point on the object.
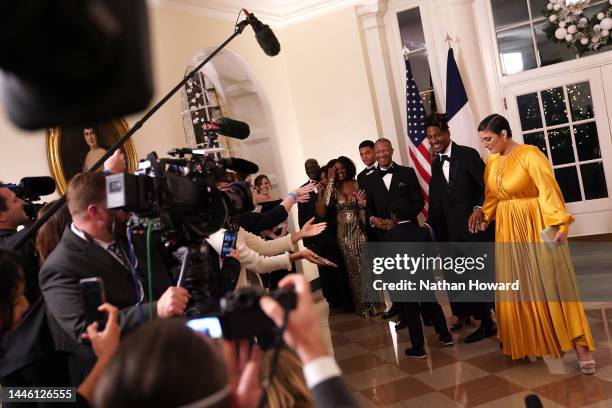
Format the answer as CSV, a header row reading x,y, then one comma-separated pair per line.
x,y
308,209
408,232
404,185
452,202
255,223
74,259
361,177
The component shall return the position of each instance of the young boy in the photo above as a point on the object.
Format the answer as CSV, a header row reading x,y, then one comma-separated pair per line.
x,y
408,231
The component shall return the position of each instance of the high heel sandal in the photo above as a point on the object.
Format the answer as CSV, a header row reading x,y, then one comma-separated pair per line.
x,y
583,364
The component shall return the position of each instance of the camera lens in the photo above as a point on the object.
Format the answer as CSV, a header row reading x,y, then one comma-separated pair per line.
x,y
245,300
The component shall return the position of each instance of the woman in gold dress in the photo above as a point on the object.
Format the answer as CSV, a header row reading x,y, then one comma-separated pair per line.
x,y
523,197
343,192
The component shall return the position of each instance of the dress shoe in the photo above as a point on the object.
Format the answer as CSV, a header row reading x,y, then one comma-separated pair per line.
x,y
446,339
460,323
418,353
402,324
481,333
391,313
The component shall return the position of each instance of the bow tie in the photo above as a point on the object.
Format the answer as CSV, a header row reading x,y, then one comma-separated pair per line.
x,y
444,157
383,173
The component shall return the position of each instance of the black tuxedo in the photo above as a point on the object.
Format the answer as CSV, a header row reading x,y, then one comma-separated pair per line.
x,y
410,311
450,206
75,258
308,209
451,203
361,177
404,185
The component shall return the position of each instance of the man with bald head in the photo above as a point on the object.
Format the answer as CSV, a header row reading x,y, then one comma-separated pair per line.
x,y
388,183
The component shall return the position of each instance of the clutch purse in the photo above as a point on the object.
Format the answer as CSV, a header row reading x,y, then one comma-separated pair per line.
x,y
548,236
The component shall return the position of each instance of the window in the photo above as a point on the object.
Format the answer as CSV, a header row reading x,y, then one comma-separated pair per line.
x,y
200,104
561,122
522,42
413,38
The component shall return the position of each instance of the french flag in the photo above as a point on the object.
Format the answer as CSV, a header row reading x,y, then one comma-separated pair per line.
x,y
460,117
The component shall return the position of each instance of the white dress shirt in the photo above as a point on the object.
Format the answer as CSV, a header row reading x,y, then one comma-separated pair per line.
x,y
320,369
446,164
387,177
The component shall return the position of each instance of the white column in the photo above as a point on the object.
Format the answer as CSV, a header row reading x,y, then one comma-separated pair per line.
x,y
385,100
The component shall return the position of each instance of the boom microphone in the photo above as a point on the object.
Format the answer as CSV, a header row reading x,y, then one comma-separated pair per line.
x,y
264,35
230,127
239,165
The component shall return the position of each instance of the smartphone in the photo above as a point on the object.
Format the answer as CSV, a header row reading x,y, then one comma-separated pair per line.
x,y
229,243
93,293
208,326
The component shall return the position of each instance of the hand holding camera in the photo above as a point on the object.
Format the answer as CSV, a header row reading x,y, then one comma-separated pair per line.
x,y
303,332
104,343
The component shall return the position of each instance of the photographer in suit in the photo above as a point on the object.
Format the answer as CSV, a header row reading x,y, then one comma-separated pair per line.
x,y
93,247
388,183
456,187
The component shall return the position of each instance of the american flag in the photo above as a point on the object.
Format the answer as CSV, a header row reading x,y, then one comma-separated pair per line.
x,y
418,146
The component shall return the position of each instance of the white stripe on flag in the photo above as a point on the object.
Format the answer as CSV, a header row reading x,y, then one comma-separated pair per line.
x,y
463,129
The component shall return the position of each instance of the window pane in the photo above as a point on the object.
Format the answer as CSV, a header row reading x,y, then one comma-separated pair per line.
x,y
429,102
420,70
506,12
536,139
580,101
555,111
516,50
561,149
594,181
567,178
529,111
411,29
550,52
537,8
587,142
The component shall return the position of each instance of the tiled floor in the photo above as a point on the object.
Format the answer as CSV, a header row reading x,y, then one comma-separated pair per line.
x,y
372,359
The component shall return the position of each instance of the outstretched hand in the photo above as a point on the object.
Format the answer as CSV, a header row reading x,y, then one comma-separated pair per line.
x,y
310,230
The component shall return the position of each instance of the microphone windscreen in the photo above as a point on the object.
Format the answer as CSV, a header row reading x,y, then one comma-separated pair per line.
x,y
532,401
240,165
233,128
268,41
41,185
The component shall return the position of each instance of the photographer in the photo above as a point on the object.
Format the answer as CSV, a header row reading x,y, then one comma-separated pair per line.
x,y
185,368
92,247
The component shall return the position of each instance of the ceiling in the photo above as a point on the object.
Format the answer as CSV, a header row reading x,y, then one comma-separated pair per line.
x,y
276,12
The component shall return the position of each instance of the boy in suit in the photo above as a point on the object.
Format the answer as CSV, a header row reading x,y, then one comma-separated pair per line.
x,y
405,230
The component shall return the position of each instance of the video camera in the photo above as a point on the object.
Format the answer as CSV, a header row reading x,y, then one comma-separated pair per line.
x,y
30,189
178,198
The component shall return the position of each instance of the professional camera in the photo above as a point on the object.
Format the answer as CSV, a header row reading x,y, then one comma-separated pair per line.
x,y
177,197
30,189
241,317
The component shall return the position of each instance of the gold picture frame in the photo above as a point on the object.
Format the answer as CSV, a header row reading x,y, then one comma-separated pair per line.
x,y
68,151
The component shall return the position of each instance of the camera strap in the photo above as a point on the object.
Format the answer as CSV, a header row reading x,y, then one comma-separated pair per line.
x,y
278,342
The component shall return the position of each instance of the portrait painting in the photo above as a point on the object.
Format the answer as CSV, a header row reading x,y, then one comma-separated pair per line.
x,y
75,149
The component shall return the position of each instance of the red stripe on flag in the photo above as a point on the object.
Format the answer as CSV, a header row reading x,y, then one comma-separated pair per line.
x,y
420,169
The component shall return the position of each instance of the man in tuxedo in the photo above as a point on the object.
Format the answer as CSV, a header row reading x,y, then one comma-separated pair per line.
x,y
388,183
366,152
334,281
90,248
456,187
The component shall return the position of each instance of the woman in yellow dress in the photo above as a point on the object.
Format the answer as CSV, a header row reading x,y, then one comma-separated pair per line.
x,y
523,197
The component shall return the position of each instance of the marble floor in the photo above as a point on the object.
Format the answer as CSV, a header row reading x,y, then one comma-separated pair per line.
x,y
371,356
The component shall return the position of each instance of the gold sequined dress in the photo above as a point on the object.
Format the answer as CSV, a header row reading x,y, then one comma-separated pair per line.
x,y
351,238
523,197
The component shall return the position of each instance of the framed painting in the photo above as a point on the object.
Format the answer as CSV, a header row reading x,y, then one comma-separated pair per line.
x,y
72,150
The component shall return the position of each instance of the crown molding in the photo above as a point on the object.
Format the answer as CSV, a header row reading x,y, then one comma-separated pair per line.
x,y
277,13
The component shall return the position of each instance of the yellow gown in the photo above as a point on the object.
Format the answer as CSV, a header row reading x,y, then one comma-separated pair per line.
x,y
523,197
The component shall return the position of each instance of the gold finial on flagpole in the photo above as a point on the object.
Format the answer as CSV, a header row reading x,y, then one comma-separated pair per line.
x,y
448,40
405,52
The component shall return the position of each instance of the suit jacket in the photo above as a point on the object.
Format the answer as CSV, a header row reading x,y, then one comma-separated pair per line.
x,y
361,177
256,223
74,259
308,209
404,185
408,232
333,392
452,202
